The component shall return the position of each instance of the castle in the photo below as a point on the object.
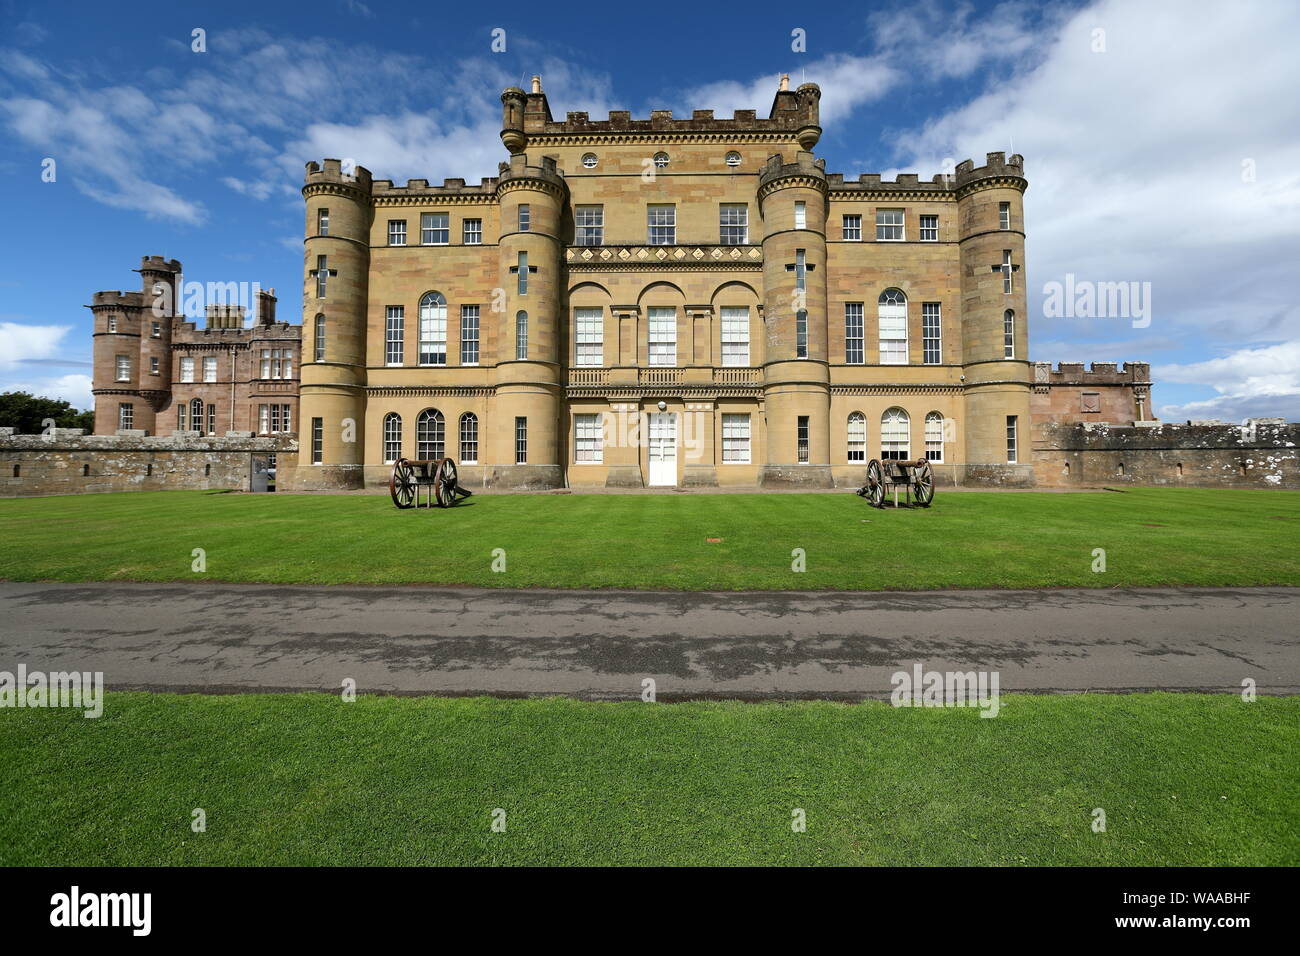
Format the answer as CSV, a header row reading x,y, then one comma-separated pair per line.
x,y
651,302
156,373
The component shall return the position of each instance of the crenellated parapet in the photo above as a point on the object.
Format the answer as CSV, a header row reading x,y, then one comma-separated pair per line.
x,y
1099,373
998,170
328,178
518,174
453,191
806,171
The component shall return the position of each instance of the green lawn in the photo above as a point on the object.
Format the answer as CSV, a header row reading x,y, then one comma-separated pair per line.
x,y
308,779
1150,536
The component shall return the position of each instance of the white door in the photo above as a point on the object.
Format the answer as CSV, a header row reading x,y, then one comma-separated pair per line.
x,y
663,448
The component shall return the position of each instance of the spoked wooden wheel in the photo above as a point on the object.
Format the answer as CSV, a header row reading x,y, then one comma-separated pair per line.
x,y
445,482
402,484
875,484
923,484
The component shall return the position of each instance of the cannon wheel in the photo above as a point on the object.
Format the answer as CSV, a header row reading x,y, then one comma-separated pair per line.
x,y
402,484
875,484
923,484
444,486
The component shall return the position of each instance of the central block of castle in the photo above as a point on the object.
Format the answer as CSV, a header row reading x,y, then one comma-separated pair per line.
x,y
663,302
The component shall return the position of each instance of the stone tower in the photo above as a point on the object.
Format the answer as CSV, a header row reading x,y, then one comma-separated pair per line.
x,y
995,343
336,270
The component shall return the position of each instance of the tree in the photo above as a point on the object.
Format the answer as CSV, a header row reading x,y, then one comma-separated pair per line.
x,y
26,413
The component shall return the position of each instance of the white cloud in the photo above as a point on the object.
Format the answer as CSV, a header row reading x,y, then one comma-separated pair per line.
x,y
1251,383
22,343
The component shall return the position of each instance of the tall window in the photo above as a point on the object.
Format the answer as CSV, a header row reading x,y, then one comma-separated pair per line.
x,y
124,368
126,415
525,217
892,315
434,229
319,340
663,335
1008,334
733,224
852,229
392,437
588,335
521,440
589,225
801,438
155,330
801,215
931,332
889,225
187,368
662,223
112,323
800,271
522,268
196,415
317,440
469,335
397,232
212,418
153,365
181,419
469,438
735,335
322,276
801,334
209,368
276,363
472,232
322,222
934,436
854,335
929,228
587,444
430,435
735,439
263,419
1006,271
1004,215
895,435
433,329
1011,439
521,336
394,334
857,437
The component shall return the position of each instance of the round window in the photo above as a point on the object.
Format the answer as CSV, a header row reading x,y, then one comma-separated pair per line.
x,y
589,160
661,160
733,158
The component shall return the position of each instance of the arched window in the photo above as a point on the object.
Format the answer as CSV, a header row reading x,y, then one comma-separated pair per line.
x,y
433,329
430,435
857,437
469,439
521,336
589,160
392,437
319,335
1009,334
934,436
196,415
661,160
733,158
895,435
892,315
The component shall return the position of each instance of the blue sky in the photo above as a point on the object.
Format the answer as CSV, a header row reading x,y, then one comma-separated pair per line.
x,y
1161,143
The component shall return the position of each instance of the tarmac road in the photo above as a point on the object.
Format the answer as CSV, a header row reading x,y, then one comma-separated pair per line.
x,y
601,644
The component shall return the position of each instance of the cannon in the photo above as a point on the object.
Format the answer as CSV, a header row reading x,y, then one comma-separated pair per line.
x,y
914,477
436,475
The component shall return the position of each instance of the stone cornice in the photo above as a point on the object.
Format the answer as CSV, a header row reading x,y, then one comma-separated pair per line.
x,y
792,180
533,184
709,390
891,195
698,258
662,136
349,190
897,388
993,182
431,391
434,198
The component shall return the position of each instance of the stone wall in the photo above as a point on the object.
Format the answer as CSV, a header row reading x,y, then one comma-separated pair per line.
x,y
67,461
1262,453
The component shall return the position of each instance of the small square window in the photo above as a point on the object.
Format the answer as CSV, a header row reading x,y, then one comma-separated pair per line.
x,y
929,228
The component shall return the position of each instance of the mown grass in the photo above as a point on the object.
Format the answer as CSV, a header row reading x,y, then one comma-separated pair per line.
x,y
1151,537
310,779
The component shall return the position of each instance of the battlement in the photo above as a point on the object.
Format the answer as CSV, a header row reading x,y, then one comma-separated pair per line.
x,y
331,171
805,165
527,114
159,264
996,166
116,299
518,168
486,188
1100,373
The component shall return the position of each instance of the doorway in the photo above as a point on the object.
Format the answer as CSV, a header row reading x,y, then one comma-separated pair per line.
x,y
663,448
